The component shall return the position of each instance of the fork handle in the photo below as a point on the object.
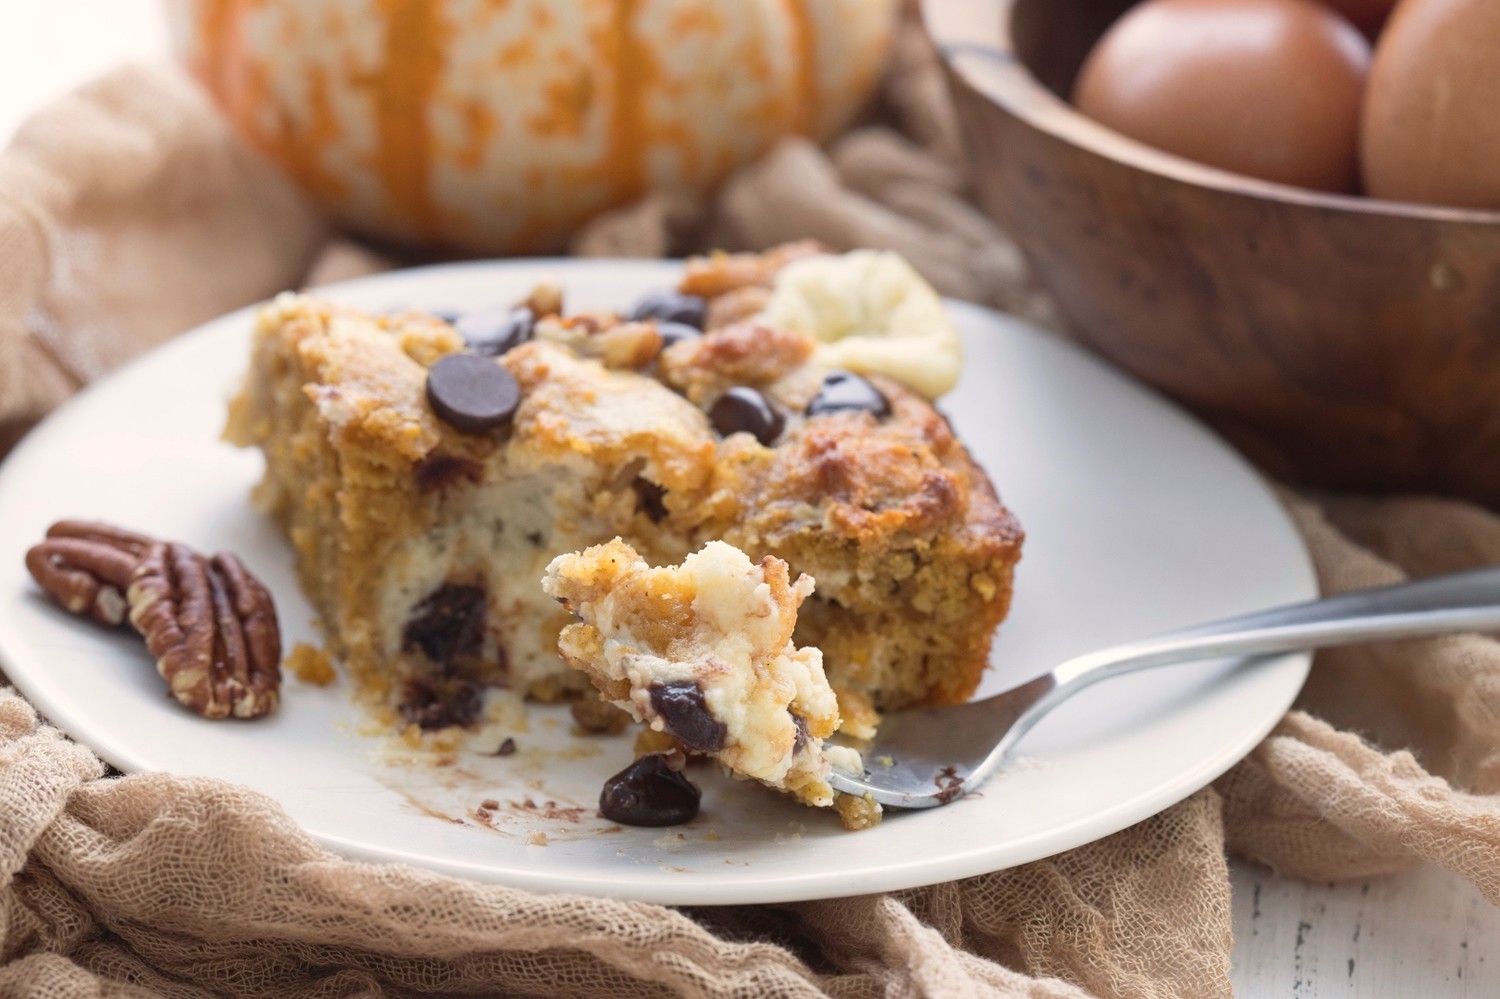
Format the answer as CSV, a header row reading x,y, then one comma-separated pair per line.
x,y
1460,601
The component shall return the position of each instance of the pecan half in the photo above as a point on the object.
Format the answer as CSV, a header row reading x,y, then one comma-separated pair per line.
x,y
86,567
92,530
212,628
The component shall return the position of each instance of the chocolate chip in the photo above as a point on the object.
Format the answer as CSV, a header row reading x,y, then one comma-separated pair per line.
x,y
672,307
448,624
494,331
799,741
507,748
672,333
686,716
649,793
438,471
472,394
744,409
650,499
432,704
844,391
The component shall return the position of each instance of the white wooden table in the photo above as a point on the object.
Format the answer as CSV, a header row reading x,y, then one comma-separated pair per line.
x,y
1424,933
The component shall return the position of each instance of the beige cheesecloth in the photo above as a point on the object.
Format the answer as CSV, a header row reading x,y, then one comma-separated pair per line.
x,y
128,214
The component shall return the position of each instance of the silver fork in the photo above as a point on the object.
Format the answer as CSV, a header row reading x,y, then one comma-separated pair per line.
x,y
926,757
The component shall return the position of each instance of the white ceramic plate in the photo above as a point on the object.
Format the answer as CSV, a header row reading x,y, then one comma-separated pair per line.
x,y
1137,519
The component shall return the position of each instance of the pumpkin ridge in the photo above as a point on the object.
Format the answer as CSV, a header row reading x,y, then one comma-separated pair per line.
x,y
219,33
805,108
413,64
625,159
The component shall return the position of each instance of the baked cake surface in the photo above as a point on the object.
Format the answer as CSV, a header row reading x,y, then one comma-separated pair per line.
x,y
422,546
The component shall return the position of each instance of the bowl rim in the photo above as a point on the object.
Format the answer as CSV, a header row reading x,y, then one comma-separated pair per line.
x,y
973,38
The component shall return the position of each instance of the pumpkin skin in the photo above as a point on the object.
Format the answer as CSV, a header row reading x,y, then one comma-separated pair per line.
x,y
500,126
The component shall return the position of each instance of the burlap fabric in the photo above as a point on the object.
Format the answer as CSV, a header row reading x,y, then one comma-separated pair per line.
x,y
127,214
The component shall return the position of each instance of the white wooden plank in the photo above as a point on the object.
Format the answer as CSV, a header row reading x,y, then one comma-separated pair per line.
x,y
1422,933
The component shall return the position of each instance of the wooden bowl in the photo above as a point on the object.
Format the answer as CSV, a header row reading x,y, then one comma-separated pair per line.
x,y
1342,341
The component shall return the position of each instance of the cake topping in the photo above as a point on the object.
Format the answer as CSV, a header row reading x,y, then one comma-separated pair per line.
x,y
871,313
844,391
744,409
649,793
685,714
472,393
494,331
671,333
672,307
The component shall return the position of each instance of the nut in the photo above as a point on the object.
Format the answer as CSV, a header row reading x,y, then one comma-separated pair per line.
x,y
546,299
87,567
737,306
212,628
209,623
720,273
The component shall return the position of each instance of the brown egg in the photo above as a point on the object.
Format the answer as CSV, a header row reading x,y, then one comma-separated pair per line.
x,y
1432,112
1366,15
1269,88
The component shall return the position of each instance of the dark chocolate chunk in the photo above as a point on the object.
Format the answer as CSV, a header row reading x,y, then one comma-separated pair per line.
x,y
844,391
799,741
433,704
494,331
672,307
676,333
649,793
650,499
507,748
438,471
744,409
472,393
448,624
686,716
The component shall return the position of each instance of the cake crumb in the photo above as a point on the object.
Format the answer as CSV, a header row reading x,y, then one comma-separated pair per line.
x,y
311,664
858,813
595,717
536,838
712,836
858,718
649,741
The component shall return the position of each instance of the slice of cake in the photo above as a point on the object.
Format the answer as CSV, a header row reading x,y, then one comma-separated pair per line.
x,y
427,473
704,652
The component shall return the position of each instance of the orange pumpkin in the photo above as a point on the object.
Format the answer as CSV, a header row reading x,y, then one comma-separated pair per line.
x,y
500,126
